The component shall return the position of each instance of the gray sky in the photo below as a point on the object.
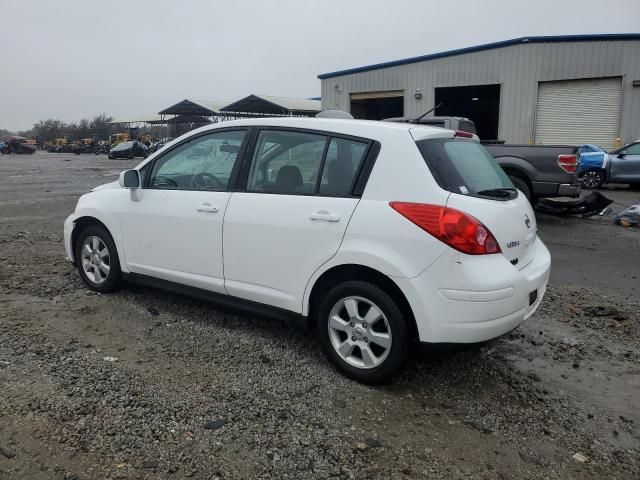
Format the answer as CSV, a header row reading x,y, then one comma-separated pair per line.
x,y
70,59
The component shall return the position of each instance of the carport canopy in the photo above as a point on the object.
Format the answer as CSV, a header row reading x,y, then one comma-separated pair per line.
x,y
270,105
202,108
152,118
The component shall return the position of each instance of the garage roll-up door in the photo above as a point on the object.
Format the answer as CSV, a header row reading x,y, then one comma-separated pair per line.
x,y
576,112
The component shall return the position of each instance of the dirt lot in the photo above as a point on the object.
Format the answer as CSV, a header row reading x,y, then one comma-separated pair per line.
x,y
142,384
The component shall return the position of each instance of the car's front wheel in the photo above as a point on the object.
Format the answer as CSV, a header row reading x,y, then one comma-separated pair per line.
x,y
592,179
362,331
97,259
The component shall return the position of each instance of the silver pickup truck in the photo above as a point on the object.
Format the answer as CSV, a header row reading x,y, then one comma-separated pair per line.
x,y
538,171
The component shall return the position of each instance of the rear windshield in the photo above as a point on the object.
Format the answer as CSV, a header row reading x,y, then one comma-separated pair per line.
x,y
464,166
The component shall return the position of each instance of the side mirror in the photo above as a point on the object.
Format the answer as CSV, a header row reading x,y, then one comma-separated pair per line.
x,y
129,179
622,154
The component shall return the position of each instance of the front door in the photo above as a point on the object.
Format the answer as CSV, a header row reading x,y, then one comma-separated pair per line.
x,y
625,166
172,228
293,215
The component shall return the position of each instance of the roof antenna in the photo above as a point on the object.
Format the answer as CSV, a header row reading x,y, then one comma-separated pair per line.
x,y
417,120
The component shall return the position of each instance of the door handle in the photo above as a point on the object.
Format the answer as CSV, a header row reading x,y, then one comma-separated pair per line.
x,y
324,216
208,208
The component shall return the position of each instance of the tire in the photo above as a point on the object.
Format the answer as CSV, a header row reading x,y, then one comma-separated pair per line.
x,y
110,280
634,186
592,179
521,185
131,156
386,362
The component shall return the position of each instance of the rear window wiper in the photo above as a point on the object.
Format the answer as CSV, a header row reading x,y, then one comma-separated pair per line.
x,y
498,192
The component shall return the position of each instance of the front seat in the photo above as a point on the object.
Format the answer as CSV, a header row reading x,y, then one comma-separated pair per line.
x,y
289,179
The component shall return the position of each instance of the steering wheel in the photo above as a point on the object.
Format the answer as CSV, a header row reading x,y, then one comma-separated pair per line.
x,y
206,180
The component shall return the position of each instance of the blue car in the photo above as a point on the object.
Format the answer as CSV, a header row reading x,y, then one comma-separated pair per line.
x,y
597,167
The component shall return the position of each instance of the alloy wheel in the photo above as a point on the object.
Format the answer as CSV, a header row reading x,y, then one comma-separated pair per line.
x,y
359,332
95,258
591,179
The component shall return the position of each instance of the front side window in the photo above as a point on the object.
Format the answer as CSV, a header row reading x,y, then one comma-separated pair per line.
x,y
204,163
633,149
286,162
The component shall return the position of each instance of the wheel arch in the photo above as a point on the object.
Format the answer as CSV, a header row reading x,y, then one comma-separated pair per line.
x,y
344,272
87,219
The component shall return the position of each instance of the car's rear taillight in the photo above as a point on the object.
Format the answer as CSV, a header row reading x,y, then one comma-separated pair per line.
x,y
568,163
460,133
457,229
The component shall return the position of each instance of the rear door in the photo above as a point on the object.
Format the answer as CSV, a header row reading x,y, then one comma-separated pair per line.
x,y
293,214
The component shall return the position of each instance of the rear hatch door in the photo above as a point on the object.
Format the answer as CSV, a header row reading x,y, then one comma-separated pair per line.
x,y
479,187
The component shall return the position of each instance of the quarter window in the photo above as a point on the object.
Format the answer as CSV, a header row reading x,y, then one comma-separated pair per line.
x,y
204,163
344,158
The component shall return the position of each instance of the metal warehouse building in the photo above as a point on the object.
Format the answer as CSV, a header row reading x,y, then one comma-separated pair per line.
x,y
561,89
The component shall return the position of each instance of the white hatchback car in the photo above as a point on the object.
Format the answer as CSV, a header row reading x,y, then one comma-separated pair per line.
x,y
378,234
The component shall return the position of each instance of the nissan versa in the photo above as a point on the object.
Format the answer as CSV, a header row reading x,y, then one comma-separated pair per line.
x,y
377,234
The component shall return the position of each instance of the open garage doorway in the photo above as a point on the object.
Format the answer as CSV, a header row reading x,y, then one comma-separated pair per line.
x,y
377,105
480,103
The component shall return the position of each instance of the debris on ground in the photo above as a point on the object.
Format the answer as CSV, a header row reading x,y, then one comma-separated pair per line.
x,y
629,217
591,204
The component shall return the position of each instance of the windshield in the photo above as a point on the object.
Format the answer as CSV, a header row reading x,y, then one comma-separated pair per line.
x,y
123,146
464,166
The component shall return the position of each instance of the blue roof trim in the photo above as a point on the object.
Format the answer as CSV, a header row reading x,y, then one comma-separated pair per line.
x,y
486,46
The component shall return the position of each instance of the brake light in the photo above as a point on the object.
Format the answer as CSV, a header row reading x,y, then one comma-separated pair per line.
x,y
460,133
457,229
568,163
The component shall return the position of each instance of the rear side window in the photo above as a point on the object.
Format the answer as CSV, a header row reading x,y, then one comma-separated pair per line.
x,y
286,162
464,166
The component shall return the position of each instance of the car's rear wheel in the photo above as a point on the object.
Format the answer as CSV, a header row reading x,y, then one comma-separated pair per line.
x,y
97,259
362,331
592,179
521,185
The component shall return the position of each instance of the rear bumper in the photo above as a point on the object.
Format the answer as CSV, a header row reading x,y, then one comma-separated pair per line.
x,y
467,299
554,189
566,190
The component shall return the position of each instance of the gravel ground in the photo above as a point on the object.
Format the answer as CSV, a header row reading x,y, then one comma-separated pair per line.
x,y
143,384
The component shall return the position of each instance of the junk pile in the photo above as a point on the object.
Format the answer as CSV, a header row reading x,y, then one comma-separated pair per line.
x,y
592,204
629,217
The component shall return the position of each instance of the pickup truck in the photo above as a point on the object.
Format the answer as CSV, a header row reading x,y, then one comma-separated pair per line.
x,y
538,171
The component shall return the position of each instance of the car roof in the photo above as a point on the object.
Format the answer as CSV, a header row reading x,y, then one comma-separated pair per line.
x,y
359,128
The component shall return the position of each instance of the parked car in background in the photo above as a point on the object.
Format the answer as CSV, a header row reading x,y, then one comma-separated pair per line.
x,y
18,145
129,149
598,167
536,170
85,148
380,235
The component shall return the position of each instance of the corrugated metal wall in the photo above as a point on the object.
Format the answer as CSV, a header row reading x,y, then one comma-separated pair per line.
x,y
517,68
